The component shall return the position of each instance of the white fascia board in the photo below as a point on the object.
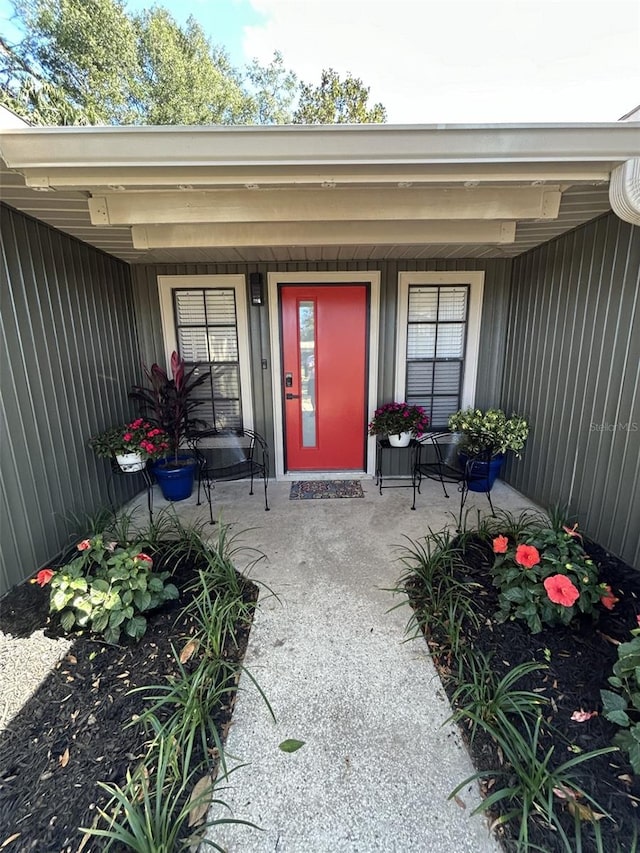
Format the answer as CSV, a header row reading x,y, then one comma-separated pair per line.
x,y
224,234
318,205
143,147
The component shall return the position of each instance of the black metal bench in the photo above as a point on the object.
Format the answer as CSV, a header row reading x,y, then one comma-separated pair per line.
x,y
229,455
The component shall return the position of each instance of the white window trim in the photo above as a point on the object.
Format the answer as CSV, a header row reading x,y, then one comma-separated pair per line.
x,y
475,280
372,278
168,283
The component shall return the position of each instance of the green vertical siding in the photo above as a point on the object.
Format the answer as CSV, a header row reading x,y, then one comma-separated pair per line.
x,y
68,351
573,365
494,319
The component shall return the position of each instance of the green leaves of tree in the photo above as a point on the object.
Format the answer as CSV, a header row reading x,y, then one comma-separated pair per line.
x,y
97,63
274,90
181,78
83,54
337,101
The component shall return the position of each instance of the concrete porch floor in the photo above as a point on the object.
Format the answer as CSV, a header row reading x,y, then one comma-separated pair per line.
x,y
377,764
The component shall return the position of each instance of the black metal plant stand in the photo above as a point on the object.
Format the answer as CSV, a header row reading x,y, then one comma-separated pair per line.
x,y
383,448
437,459
147,477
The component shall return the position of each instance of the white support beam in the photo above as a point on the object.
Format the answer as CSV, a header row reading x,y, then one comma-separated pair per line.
x,y
101,179
324,205
320,234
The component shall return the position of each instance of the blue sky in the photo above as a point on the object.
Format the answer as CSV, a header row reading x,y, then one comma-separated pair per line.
x,y
223,20
444,61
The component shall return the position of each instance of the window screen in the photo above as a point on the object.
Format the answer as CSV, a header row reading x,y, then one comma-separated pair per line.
x,y
206,330
436,340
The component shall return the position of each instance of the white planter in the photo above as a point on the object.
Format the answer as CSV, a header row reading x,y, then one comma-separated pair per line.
x,y
130,462
401,440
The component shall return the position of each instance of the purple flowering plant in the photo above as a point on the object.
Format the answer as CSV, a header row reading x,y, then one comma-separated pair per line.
x,y
395,418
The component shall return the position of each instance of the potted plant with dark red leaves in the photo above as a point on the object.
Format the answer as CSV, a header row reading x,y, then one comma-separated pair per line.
x,y
131,445
169,404
488,435
400,422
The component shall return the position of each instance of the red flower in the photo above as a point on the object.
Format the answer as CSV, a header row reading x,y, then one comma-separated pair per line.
x,y
608,599
44,576
127,436
82,546
527,556
561,591
572,531
638,620
500,545
142,556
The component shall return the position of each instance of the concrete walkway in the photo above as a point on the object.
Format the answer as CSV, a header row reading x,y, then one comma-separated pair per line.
x,y
378,764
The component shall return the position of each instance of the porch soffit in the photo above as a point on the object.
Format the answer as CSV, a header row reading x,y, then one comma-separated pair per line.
x,y
487,203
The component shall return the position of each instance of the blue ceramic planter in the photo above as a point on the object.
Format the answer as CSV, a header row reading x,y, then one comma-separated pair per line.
x,y
175,481
482,475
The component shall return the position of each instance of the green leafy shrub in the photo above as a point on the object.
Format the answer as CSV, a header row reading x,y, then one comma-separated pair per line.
x,y
107,588
546,577
623,708
489,432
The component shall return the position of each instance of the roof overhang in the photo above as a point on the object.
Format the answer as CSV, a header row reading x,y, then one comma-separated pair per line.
x,y
383,190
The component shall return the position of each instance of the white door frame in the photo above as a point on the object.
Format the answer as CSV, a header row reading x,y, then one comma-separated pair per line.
x,y
356,277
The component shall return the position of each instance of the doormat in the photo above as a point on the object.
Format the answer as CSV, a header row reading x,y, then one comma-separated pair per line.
x,y
306,490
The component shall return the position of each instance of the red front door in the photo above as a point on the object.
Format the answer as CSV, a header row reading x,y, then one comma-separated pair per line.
x,y
324,357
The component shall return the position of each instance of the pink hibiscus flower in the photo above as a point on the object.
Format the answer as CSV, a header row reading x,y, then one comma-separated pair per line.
x,y
561,591
527,556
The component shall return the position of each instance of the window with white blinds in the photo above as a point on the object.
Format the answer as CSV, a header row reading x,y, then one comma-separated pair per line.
x,y
435,354
207,333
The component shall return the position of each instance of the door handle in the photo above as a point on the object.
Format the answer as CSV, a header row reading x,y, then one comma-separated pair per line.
x,y
292,396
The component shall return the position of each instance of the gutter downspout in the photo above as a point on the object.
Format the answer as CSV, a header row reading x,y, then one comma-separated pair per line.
x,y
624,191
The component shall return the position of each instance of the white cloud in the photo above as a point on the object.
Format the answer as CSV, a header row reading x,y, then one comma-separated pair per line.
x,y
451,61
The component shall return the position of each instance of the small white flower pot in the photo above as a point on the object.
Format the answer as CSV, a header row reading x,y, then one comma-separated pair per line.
x,y
130,462
402,440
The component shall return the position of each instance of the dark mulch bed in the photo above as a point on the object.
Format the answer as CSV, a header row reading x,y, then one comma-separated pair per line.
x,y
580,660
71,734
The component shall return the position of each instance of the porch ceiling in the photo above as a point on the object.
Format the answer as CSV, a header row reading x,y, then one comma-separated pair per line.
x,y
296,194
